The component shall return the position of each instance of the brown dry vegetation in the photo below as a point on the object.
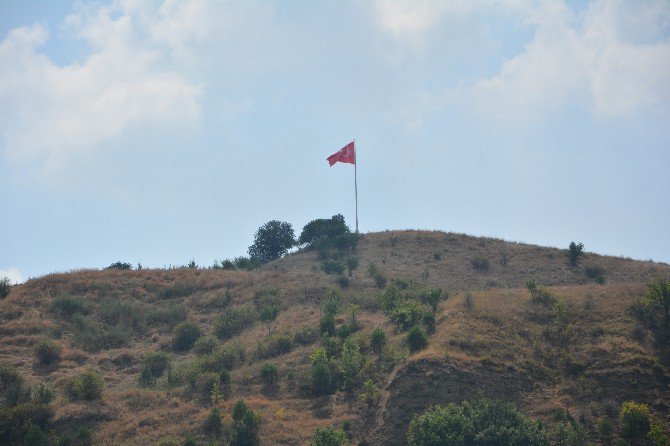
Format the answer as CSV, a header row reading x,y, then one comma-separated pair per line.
x,y
501,345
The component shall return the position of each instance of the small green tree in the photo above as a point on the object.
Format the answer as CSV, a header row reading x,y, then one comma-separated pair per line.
x,y
245,425
268,315
416,339
328,436
5,287
377,340
574,252
213,423
635,419
320,374
371,393
351,363
433,297
272,240
269,374
352,264
658,293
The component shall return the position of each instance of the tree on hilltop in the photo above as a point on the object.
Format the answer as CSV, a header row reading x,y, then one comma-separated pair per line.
x,y
323,227
272,240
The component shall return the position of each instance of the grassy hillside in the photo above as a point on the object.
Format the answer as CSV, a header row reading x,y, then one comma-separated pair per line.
x,y
584,347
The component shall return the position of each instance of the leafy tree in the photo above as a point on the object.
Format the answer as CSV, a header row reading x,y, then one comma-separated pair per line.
x,y
416,339
432,297
5,287
377,340
269,374
658,293
352,264
272,240
575,251
371,393
268,314
480,422
328,436
245,426
351,362
635,419
213,423
323,228
320,374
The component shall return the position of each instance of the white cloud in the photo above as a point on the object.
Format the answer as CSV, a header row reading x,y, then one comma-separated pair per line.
x,y
587,59
53,112
13,274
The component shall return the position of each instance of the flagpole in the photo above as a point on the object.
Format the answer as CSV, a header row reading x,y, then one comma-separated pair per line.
x,y
356,185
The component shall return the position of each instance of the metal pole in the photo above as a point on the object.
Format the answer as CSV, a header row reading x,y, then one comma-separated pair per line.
x,y
356,185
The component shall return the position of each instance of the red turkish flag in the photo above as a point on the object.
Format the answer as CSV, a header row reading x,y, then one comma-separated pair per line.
x,y
346,154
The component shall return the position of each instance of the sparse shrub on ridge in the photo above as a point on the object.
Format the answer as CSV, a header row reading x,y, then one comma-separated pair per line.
x,y
5,287
574,252
120,265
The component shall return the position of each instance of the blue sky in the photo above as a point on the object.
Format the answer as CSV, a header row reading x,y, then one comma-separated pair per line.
x,y
164,131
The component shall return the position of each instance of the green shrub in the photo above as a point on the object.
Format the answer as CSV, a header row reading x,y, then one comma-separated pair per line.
x,y
480,422
332,345
480,264
332,267
67,306
42,393
657,437
113,312
189,441
377,275
371,393
275,345
86,386
156,363
205,345
327,325
213,423
321,378
34,436
245,426
429,322
390,357
234,320
596,273
120,265
83,434
176,290
226,356
377,340
12,386
352,264
574,252
47,352
224,376
15,421
185,335
432,298
170,315
634,419
657,295
269,374
204,383
538,294
328,436
351,363
416,339
268,314
146,378
342,281
5,287
305,335
323,229
605,430
407,314
93,336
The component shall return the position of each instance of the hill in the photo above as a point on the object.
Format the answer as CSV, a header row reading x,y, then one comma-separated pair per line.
x,y
580,346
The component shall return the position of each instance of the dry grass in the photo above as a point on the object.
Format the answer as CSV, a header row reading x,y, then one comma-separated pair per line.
x,y
501,333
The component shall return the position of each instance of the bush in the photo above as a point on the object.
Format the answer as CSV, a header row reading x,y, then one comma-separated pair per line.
x,y
213,423
42,394
390,357
12,386
205,345
5,287
634,419
305,335
342,281
67,306
416,339
156,363
245,426
480,264
234,320
480,422
169,316
432,297
574,252
328,436
429,322
332,267
176,290
93,336
327,325
86,386
34,436
120,265
272,240
47,352
226,356
204,383
185,335
407,314
596,273
275,345
351,363
323,229
658,295
269,374
16,421
538,294
113,312
377,275
352,264
377,340
224,376
320,375
605,430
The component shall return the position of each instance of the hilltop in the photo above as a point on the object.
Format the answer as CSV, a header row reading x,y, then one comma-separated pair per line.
x,y
579,345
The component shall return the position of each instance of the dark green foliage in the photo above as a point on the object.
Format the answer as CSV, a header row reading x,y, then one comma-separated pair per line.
x,y
351,363
342,281
305,335
538,294
332,345
245,426
407,314
185,335
205,345
42,393
234,320
64,439
658,295
481,422
5,287
321,378
213,423
226,356
113,312
272,240
86,386
565,430
34,436
268,314
146,378
416,339
47,352
224,376
327,325
377,275
83,434
16,421
269,374
432,298
480,264
352,264
596,273
120,265
275,345
574,252
189,441
245,263
332,267
12,386
156,363
328,436
67,306
204,383
323,228
634,419
605,430
377,340
429,322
